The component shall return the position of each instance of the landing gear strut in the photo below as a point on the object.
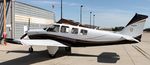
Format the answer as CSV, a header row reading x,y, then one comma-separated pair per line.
x,y
30,49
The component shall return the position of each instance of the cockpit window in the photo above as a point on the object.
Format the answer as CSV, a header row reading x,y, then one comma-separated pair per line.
x,y
53,28
84,32
64,29
74,31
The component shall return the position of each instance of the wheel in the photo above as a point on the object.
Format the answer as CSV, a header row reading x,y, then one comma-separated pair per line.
x,y
51,56
30,49
68,50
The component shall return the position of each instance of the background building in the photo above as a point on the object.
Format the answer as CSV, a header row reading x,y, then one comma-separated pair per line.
x,y
19,14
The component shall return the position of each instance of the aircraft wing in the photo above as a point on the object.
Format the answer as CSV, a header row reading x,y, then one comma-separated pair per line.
x,y
38,42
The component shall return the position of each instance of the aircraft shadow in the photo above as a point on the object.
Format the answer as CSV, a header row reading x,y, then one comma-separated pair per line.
x,y
82,55
21,51
108,57
34,57
37,56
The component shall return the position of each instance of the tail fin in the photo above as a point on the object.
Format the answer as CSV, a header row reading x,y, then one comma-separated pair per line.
x,y
135,27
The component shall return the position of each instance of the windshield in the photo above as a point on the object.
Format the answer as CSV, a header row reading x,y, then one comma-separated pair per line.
x,y
53,28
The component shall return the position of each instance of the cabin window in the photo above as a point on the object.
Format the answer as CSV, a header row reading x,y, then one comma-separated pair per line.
x,y
74,31
53,28
64,29
84,32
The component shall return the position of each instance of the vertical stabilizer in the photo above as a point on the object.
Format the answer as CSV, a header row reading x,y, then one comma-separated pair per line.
x,y
135,27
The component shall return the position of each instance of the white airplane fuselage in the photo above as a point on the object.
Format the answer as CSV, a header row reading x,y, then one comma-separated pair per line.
x,y
91,37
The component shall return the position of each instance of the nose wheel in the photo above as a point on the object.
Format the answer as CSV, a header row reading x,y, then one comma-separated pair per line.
x,y
30,49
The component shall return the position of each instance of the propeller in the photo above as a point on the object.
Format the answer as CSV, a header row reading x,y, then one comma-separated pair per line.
x,y
23,36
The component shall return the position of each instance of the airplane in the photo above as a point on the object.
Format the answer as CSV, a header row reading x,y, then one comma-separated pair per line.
x,y
58,36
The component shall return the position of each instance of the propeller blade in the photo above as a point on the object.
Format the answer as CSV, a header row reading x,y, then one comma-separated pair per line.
x,y
12,41
23,36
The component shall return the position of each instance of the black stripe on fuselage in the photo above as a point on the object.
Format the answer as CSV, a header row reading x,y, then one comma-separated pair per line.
x,y
76,42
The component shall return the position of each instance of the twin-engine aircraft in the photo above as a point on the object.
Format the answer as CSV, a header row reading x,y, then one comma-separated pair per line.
x,y
63,35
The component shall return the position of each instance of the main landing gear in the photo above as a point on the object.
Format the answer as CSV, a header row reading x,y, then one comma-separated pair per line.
x,y
68,50
31,49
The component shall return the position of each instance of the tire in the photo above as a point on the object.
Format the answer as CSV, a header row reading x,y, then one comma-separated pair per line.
x,y
51,56
30,49
68,50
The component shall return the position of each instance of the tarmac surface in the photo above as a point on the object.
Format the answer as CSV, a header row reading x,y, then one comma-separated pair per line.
x,y
127,54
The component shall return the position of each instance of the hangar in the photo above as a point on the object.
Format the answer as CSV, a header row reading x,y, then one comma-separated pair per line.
x,y
19,15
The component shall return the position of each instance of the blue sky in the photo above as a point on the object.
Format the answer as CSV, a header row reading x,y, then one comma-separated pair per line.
x,y
109,13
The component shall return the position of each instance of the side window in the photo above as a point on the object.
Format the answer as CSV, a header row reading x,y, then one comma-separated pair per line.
x,y
64,29
74,31
56,28
84,32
